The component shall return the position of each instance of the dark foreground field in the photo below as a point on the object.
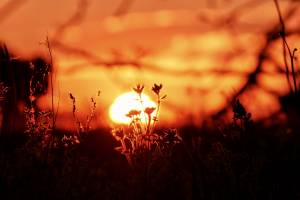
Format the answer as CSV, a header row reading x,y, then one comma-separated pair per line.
x,y
224,162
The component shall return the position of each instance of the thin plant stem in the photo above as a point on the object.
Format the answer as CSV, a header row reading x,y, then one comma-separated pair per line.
x,y
157,111
149,124
285,45
52,98
143,113
51,82
286,67
292,56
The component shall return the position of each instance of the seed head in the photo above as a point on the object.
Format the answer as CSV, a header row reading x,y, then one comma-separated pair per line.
x,y
156,88
139,89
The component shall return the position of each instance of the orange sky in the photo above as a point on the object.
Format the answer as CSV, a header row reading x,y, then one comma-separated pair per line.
x,y
168,37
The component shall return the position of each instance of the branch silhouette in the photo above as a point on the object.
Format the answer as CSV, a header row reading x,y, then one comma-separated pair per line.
x,y
271,36
75,19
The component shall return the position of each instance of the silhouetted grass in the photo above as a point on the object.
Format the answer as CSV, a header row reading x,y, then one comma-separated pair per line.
x,y
241,159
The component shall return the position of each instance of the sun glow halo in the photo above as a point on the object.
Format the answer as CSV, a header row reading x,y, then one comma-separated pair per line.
x,y
126,102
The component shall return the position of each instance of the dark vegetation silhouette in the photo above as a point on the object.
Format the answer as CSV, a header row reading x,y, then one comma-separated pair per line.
x,y
237,159
17,75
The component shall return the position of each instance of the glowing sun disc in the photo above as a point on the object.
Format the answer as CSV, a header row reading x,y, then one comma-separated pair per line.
x,y
125,103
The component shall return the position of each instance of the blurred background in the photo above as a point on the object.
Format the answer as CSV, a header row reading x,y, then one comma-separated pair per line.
x,y
204,52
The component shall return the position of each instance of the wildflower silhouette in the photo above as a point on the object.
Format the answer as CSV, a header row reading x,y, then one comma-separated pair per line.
x,y
156,88
240,114
238,110
83,127
149,110
133,113
139,89
140,141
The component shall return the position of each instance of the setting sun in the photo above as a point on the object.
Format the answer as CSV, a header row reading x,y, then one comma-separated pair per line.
x,y
126,102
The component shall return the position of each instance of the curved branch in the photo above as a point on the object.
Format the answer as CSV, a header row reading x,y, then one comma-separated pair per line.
x,y
75,19
271,36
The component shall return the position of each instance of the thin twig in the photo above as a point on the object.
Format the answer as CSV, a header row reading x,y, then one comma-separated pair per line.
x,y
285,45
292,58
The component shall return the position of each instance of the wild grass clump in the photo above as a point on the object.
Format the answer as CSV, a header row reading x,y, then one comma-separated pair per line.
x,y
37,122
85,126
140,140
3,91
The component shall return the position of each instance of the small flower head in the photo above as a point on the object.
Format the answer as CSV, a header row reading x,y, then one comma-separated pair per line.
x,y
238,109
156,88
149,110
139,89
133,113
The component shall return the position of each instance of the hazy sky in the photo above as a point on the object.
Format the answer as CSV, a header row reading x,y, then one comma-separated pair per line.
x,y
176,41
25,22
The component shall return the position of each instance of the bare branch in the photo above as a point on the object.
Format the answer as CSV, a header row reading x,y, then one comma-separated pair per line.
x,y
75,19
271,36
